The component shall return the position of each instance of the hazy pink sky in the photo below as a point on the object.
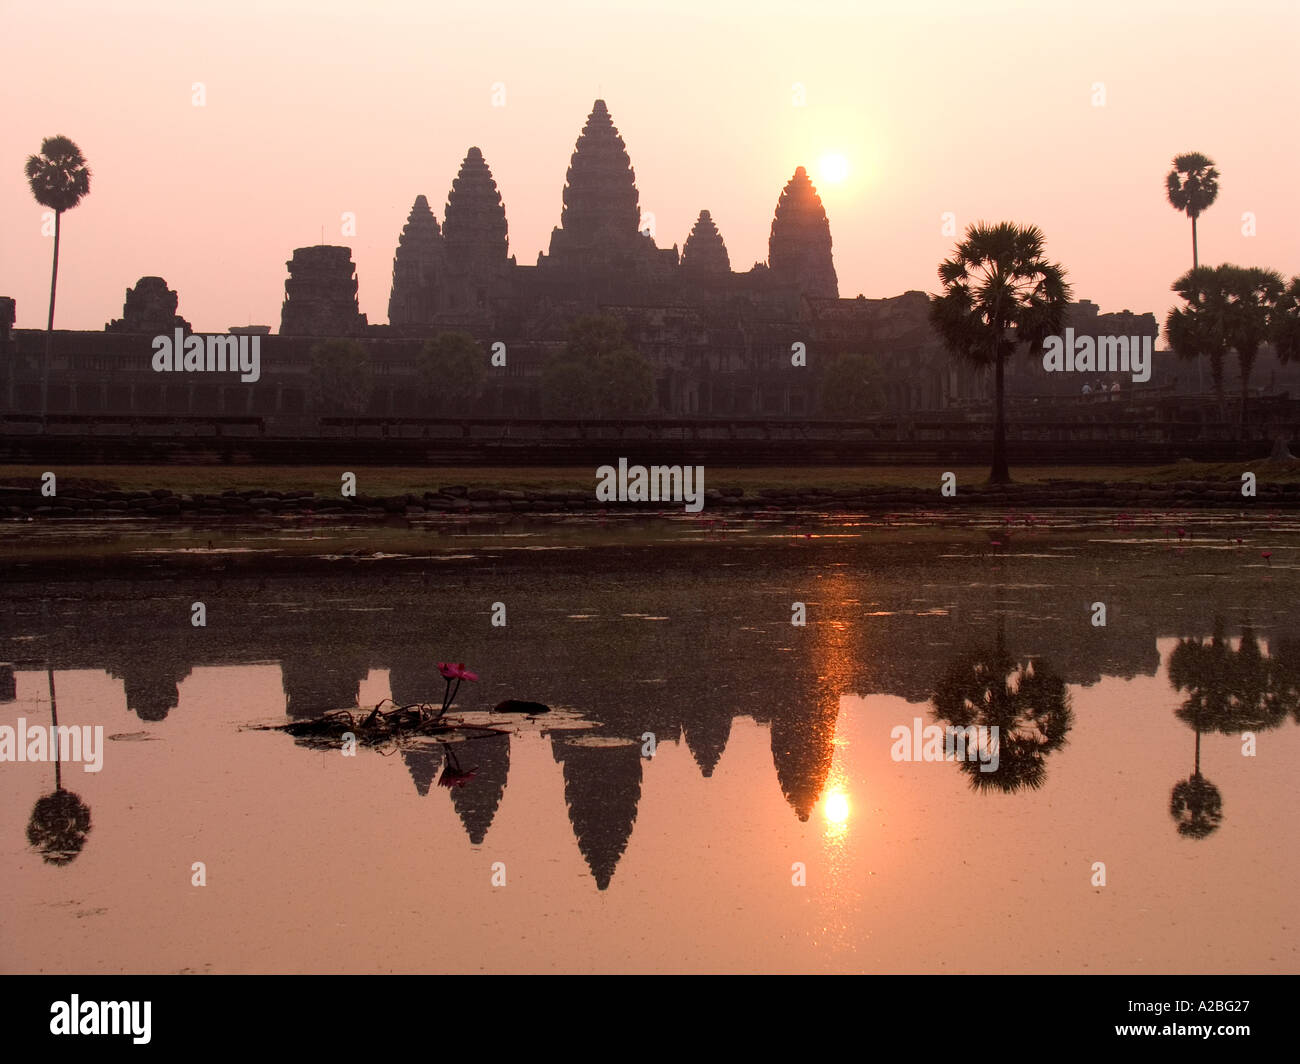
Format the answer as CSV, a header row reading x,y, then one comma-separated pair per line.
x,y
319,107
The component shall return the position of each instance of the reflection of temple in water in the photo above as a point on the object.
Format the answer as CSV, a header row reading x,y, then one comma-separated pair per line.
x,y
152,686
476,801
602,788
415,678
706,738
322,681
630,676
423,762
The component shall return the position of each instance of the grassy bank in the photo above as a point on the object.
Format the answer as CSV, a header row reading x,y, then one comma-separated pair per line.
x,y
325,480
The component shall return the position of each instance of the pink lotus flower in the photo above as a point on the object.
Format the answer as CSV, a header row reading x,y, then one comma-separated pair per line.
x,y
456,671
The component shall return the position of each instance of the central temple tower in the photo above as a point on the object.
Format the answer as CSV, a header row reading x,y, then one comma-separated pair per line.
x,y
601,213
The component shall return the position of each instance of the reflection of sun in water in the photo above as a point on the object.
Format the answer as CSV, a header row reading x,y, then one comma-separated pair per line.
x,y
832,169
836,810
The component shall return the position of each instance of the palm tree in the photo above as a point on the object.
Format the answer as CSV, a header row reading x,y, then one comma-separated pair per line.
x,y
1200,329
1286,323
59,179
1191,187
1253,297
1285,336
1229,308
999,292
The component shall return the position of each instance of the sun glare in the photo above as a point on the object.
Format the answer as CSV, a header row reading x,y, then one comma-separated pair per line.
x,y
833,169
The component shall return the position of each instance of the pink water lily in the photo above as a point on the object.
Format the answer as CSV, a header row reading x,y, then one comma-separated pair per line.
x,y
453,671
456,671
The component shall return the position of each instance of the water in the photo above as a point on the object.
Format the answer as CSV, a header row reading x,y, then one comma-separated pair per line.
x,y
772,750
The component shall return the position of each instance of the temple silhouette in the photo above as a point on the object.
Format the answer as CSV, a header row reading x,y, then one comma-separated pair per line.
x,y
718,339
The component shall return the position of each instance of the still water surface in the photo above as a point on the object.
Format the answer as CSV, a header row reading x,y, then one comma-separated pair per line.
x,y
1123,746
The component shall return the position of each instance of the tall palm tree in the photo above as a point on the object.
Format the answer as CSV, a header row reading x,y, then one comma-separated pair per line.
x,y
59,179
1191,187
999,292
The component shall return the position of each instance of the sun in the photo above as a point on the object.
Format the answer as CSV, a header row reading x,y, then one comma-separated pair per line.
x,y
833,169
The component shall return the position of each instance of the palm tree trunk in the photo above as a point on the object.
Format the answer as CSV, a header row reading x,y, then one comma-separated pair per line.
x,y
999,474
54,716
1247,364
49,329
1195,260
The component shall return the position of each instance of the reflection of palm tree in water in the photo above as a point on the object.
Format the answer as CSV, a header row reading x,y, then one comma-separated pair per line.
x,y
1026,701
1195,803
1228,692
60,821
1284,692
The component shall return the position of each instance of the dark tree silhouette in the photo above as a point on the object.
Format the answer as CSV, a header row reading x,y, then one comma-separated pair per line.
x,y
1026,701
1199,329
1195,803
58,828
1228,692
342,378
598,374
60,821
59,179
451,372
1191,186
999,293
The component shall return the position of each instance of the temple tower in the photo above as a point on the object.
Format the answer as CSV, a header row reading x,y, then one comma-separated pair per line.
x,y
601,214
320,296
418,267
799,248
704,251
474,221
150,307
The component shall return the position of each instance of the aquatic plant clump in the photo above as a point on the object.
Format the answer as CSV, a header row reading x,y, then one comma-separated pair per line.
x,y
375,728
